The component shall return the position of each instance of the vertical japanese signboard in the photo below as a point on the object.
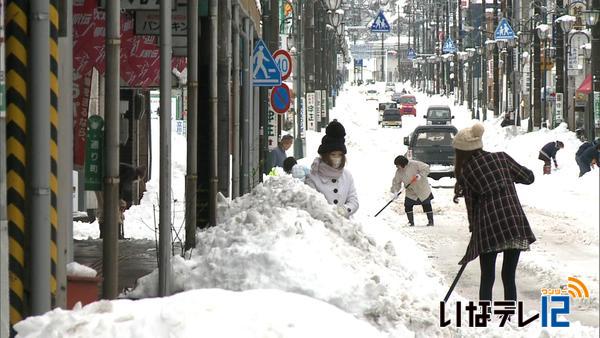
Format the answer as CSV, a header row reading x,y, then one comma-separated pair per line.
x,y
317,106
310,111
302,118
323,105
94,154
597,109
558,118
272,118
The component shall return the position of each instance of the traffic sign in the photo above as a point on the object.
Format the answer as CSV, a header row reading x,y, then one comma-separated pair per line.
x,y
280,98
94,163
504,31
284,62
411,54
358,63
449,46
380,24
265,72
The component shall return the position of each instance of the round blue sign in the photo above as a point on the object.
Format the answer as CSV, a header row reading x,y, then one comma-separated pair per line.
x,y
280,98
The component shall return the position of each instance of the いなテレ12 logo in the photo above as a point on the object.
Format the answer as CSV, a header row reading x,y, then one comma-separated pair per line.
x,y
557,301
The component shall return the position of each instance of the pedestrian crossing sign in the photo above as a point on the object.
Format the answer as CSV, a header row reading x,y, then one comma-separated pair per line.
x,y
265,72
449,46
411,54
504,31
380,24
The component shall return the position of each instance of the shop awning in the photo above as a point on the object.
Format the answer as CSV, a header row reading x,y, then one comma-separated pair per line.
x,y
586,85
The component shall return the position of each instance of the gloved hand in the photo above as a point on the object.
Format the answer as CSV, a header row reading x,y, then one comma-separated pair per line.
x,y
394,195
555,164
455,199
415,178
342,211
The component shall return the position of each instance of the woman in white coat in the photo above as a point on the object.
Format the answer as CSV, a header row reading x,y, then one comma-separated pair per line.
x,y
418,192
328,175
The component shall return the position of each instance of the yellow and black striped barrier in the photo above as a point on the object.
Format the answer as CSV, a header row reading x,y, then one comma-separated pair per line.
x,y
53,144
16,126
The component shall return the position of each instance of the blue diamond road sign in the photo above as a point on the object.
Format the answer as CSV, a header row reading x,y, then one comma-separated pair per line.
x,y
380,24
504,31
265,72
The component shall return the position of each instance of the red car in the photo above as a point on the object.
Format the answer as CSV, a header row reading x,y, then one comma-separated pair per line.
x,y
407,105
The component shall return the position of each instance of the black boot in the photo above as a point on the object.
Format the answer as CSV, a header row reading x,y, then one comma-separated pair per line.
x,y
411,218
430,218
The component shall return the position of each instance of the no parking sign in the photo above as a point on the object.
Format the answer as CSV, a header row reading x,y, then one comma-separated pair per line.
x,y
280,98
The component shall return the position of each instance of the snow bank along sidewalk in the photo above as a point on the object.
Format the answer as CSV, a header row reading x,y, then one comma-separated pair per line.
x,y
284,236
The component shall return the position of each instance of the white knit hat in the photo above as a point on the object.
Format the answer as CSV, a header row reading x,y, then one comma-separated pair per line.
x,y
469,138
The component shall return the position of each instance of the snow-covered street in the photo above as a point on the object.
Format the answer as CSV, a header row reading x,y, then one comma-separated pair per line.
x,y
283,263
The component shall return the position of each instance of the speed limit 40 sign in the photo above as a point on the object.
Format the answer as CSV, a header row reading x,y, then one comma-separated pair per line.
x,y
284,61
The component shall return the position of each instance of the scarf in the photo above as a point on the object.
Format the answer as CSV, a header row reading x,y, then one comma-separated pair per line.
x,y
322,169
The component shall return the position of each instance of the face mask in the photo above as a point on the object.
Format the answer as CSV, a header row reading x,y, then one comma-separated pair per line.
x,y
336,162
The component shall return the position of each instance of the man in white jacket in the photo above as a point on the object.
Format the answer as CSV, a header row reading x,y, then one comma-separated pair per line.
x,y
328,175
413,174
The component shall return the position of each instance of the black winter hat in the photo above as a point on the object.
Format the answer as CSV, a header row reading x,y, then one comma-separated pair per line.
x,y
333,139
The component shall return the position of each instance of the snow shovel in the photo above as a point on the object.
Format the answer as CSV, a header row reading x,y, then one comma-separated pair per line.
x,y
462,268
393,199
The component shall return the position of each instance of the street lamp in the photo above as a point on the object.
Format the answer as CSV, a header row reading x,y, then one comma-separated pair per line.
x,y
332,5
335,18
591,17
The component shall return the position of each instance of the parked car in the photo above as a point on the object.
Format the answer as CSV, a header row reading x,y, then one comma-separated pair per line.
x,y
438,115
391,118
407,105
383,106
372,94
390,87
396,97
433,145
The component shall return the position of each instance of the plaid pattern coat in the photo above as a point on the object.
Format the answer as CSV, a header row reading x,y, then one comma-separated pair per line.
x,y
493,207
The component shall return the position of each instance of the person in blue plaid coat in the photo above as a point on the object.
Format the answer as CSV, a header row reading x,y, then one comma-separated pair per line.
x,y
497,221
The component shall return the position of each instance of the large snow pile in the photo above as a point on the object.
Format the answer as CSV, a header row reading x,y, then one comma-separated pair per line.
x,y
202,313
285,236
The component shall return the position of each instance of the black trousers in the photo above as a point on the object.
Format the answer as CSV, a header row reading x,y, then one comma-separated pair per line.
x,y
487,263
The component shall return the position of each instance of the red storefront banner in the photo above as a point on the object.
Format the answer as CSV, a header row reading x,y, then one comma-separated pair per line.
x,y
140,62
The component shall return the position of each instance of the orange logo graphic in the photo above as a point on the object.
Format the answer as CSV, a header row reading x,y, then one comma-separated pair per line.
x,y
577,289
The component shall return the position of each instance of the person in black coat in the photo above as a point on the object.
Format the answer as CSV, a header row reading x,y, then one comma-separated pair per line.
x,y
497,221
548,152
588,157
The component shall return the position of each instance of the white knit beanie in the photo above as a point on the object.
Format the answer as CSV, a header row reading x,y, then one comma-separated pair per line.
x,y
469,138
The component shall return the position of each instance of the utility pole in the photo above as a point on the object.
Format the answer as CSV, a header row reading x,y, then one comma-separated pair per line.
x,y
496,69
224,94
398,53
110,244
561,72
213,8
537,98
299,141
4,281
191,176
594,115
483,59
309,51
38,181
236,156
166,47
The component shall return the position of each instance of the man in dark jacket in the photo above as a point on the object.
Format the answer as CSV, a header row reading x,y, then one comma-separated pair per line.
x,y
549,152
588,157
278,154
